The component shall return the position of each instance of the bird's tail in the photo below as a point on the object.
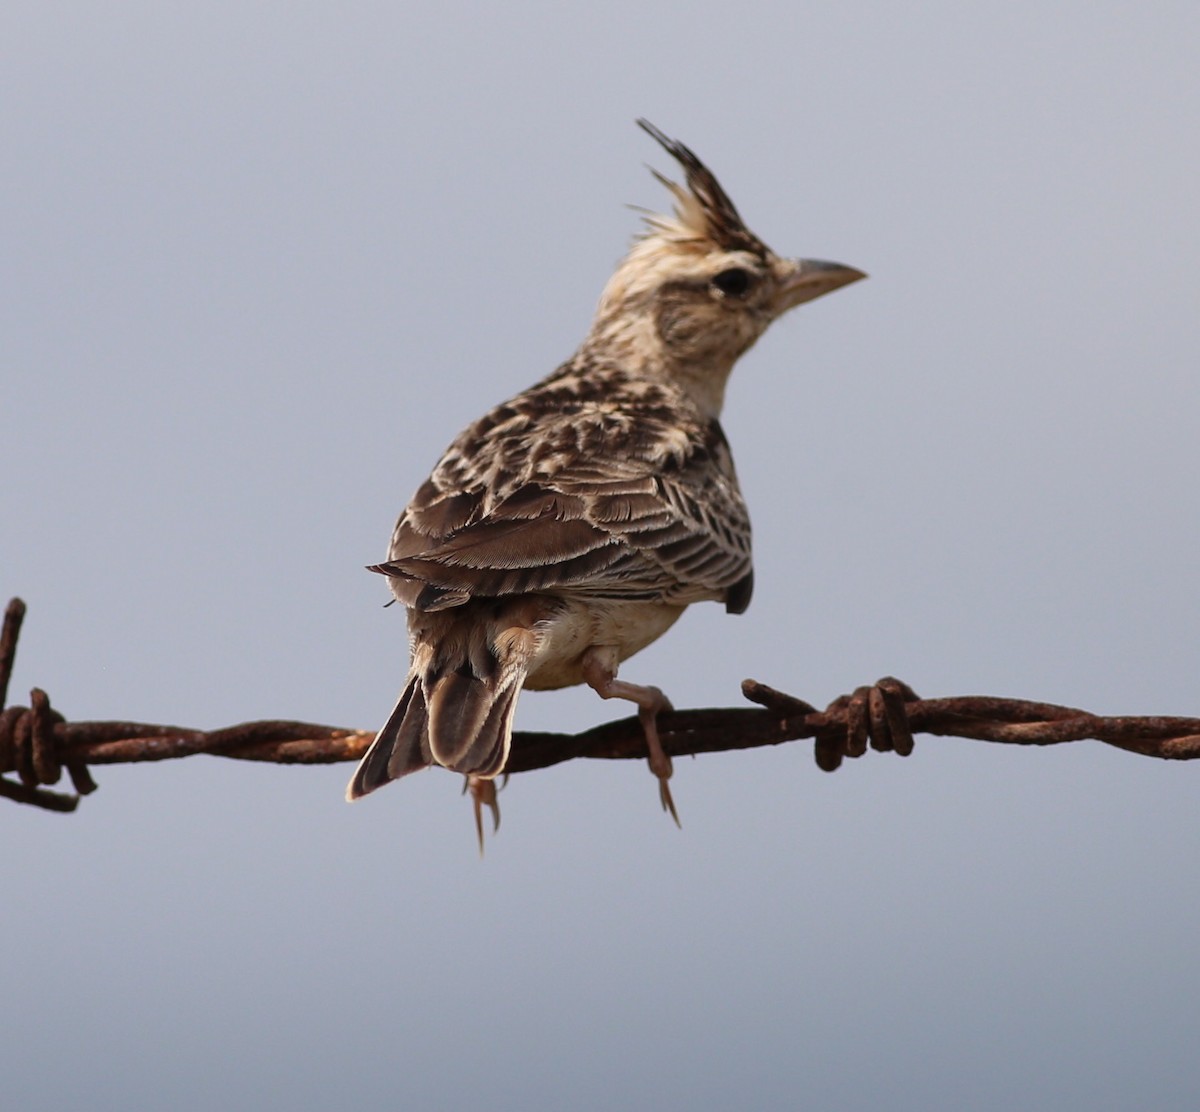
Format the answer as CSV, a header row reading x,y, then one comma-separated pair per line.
x,y
401,747
458,715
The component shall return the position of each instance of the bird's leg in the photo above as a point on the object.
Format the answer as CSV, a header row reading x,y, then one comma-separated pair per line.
x,y
600,674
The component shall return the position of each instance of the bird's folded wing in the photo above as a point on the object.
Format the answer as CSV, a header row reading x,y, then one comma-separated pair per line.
x,y
612,530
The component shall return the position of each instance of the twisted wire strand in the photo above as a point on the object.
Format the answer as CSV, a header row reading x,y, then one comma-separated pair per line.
x,y
37,743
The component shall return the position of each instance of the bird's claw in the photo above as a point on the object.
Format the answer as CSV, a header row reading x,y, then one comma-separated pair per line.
x,y
660,761
483,794
668,804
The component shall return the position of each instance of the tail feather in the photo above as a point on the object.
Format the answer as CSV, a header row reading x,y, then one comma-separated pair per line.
x,y
457,707
466,727
401,747
470,722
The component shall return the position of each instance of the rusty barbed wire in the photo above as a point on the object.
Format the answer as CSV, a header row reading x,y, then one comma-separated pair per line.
x,y
38,743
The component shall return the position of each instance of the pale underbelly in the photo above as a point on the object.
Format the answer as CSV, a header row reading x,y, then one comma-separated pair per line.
x,y
627,626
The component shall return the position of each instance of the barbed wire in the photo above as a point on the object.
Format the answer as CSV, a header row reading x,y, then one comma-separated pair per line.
x,y
38,744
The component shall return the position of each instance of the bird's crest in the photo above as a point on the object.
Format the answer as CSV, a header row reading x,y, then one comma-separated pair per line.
x,y
703,211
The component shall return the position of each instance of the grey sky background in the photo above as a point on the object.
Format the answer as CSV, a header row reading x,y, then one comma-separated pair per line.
x,y
260,264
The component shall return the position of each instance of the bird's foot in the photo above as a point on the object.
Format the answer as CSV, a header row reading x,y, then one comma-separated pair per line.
x,y
659,761
600,674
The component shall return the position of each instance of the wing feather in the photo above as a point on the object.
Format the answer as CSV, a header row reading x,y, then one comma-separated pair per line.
x,y
624,492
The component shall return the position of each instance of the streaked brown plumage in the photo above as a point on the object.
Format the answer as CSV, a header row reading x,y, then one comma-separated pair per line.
x,y
570,526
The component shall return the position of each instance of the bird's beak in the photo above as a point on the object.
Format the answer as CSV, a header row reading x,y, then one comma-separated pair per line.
x,y
809,278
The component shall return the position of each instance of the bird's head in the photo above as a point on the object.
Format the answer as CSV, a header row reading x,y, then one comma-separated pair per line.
x,y
698,288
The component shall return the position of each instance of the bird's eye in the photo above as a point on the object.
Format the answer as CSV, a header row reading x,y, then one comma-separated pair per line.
x,y
733,282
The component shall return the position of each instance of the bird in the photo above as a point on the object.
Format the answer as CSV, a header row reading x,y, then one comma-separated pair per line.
x,y
572,525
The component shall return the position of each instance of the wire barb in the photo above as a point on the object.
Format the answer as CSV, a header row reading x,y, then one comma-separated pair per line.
x,y
37,742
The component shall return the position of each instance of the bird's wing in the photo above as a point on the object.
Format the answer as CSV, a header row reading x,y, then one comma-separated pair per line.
x,y
631,502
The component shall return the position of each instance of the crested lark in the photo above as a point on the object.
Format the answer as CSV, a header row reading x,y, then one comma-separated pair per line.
x,y
570,526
